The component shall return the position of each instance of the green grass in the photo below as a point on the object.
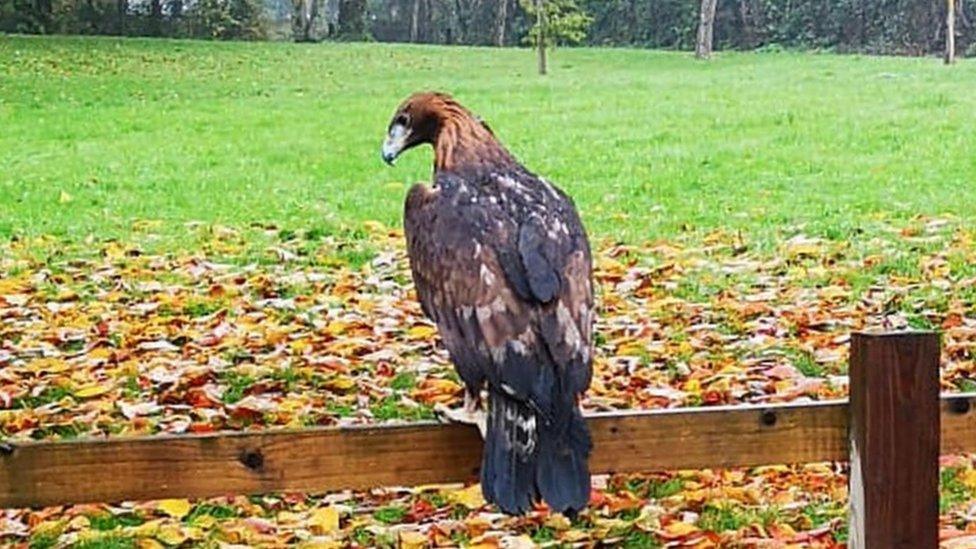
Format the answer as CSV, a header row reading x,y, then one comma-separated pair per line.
x,y
728,516
952,490
108,521
100,132
390,515
106,542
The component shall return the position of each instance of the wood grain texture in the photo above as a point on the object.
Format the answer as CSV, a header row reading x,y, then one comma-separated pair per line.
x,y
332,459
47,473
895,432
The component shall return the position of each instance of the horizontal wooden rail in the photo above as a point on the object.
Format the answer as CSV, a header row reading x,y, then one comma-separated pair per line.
x,y
323,459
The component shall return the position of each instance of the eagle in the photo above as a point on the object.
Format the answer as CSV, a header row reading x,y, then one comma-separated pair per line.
x,y
502,265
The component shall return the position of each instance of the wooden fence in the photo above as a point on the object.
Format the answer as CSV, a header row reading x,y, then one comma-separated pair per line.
x,y
892,431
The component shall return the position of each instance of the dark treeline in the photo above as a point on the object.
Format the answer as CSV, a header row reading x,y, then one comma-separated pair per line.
x,y
911,27
222,19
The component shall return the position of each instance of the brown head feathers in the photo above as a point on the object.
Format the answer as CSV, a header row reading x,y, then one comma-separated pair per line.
x,y
460,139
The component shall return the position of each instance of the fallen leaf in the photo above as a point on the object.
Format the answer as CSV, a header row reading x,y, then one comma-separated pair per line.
x,y
410,539
176,508
89,391
470,497
324,520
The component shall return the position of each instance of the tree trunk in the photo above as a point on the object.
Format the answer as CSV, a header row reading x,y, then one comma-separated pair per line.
x,y
748,37
122,11
352,19
312,14
298,20
706,27
304,14
43,13
542,21
330,11
155,17
415,21
501,21
950,51
461,16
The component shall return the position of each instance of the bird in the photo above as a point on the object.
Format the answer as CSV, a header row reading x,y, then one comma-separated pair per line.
x,y
501,264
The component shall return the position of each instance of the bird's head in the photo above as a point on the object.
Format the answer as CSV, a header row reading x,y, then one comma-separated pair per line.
x,y
416,121
422,117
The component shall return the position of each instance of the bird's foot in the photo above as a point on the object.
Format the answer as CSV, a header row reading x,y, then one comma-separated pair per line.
x,y
467,415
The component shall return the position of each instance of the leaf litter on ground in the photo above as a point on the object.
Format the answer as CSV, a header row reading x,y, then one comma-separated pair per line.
x,y
102,339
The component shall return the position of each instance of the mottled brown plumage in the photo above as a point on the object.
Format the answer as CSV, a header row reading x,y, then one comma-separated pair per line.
x,y
502,265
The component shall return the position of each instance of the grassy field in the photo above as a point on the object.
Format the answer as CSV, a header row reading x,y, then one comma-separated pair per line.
x,y
773,203
100,132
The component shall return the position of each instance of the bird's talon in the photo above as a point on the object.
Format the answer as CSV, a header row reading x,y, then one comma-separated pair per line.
x,y
444,413
449,415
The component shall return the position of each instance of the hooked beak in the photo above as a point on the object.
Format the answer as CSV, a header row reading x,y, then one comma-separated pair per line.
x,y
394,143
388,155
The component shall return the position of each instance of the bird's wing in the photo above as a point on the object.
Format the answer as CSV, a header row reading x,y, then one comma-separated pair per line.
x,y
549,265
460,284
512,298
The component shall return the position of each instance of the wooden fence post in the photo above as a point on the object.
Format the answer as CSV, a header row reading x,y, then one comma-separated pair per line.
x,y
894,432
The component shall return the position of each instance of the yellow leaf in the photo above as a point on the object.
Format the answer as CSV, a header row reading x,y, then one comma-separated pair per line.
x,y
113,250
49,528
421,332
374,226
337,327
679,528
171,534
64,198
288,517
204,521
786,530
412,540
176,508
80,522
89,391
12,286
67,295
969,478
49,365
327,544
149,543
194,533
147,529
340,383
802,247
631,349
101,353
558,521
470,497
324,520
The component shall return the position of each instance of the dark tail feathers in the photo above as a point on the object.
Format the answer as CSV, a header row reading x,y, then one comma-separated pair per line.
x,y
527,458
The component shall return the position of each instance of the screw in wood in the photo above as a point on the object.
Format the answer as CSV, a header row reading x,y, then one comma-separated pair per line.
x,y
959,405
252,459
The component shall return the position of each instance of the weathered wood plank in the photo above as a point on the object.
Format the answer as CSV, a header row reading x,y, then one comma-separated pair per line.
x,y
47,473
895,431
332,459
